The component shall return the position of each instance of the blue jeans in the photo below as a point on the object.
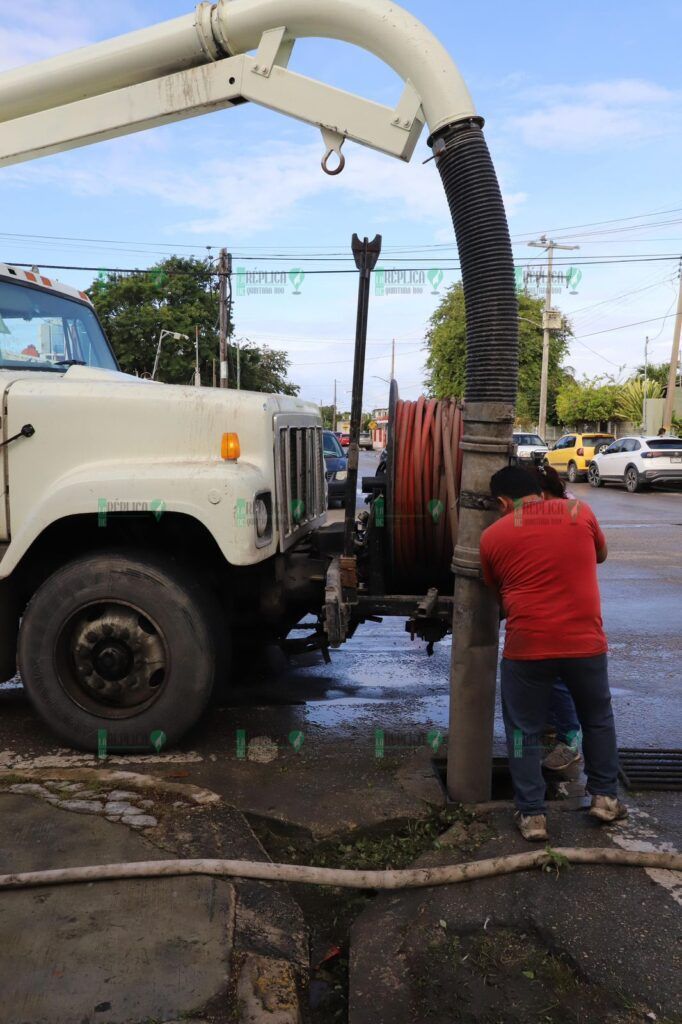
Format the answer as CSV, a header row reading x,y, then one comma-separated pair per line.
x,y
563,716
526,695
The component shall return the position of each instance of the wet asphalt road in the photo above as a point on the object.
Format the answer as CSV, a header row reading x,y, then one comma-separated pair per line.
x,y
382,680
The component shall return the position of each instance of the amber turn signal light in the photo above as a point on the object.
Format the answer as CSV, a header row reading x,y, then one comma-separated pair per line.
x,y
229,448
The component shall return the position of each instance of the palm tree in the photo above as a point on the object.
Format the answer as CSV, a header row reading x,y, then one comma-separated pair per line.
x,y
631,400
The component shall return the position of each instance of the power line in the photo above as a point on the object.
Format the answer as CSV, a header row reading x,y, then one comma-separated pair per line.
x,y
597,223
583,261
411,248
622,327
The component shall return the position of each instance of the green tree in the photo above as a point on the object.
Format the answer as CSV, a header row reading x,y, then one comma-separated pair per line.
x,y
446,361
630,404
265,369
327,412
588,401
655,372
178,295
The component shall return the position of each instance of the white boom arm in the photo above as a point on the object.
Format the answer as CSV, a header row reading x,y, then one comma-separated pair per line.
x,y
199,63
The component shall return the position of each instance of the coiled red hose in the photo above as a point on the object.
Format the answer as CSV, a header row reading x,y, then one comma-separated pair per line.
x,y
427,474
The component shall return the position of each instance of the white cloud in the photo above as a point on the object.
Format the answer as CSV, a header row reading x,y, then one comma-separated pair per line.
x,y
30,33
33,32
595,115
250,190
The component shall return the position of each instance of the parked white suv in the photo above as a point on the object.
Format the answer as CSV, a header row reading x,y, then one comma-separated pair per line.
x,y
638,461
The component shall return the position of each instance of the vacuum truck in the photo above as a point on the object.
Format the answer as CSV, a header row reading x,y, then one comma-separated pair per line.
x,y
151,535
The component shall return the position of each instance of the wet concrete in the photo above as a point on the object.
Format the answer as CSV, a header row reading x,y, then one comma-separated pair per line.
x,y
615,932
110,952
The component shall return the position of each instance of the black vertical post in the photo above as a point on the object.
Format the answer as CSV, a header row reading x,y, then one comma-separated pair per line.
x,y
366,255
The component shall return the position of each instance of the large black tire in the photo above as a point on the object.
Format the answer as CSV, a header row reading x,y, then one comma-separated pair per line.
x,y
124,643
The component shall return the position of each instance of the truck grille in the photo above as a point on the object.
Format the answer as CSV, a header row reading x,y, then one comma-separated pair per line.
x,y
299,464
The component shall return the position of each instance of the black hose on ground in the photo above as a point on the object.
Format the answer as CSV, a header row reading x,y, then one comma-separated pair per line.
x,y
486,259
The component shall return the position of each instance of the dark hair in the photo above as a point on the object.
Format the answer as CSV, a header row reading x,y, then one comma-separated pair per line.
x,y
549,479
514,482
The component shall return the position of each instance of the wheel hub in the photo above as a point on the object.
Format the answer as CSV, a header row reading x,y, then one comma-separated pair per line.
x,y
112,660
112,655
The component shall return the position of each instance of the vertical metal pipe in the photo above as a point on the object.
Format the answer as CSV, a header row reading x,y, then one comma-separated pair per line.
x,y
366,254
492,372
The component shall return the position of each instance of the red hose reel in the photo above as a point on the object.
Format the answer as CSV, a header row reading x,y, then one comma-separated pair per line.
x,y
425,468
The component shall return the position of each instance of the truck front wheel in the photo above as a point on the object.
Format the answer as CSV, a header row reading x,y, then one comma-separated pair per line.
x,y
119,651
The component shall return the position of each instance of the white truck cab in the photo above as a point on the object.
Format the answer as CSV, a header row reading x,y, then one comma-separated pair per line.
x,y
96,463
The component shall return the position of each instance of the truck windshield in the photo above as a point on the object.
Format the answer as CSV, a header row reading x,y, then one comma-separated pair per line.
x,y
41,330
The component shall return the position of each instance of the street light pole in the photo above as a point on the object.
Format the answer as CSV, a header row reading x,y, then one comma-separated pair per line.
x,y
549,246
165,334
197,372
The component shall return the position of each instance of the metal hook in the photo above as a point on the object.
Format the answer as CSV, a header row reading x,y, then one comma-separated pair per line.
x,y
333,141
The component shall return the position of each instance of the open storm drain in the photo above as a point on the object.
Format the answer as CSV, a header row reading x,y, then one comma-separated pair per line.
x,y
650,769
561,786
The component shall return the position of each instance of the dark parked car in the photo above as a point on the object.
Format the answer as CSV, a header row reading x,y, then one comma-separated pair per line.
x,y
336,466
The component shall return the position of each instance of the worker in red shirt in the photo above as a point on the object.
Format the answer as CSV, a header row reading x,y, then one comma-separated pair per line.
x,y
541,559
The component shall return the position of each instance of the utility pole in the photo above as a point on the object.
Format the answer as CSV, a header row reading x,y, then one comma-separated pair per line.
x,y
393,360
239,369
334,408
225,303
674,361
549,246
646,382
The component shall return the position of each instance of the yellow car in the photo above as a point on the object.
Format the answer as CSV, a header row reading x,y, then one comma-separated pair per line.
x,y
572,453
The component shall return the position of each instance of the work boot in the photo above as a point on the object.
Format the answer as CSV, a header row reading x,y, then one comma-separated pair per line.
x,y
562,756
607,808
532,827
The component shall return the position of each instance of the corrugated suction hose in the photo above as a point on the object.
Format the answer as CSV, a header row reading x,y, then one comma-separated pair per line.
x,y
486,259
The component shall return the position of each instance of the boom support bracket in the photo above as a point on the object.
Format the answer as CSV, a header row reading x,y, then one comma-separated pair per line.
x,y
263,79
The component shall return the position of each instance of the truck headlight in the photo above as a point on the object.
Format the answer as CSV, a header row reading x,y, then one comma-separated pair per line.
x,y
261,516
342,475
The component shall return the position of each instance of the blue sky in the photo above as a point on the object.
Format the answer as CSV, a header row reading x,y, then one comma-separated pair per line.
x,y
583,109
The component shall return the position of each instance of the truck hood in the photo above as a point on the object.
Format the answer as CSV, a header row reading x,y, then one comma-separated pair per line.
x,y
103,415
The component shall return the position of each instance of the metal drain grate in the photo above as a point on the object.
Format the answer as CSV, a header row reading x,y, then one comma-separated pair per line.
x,y
650,769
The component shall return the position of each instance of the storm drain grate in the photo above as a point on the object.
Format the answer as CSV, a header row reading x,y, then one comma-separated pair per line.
x,y
650,769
